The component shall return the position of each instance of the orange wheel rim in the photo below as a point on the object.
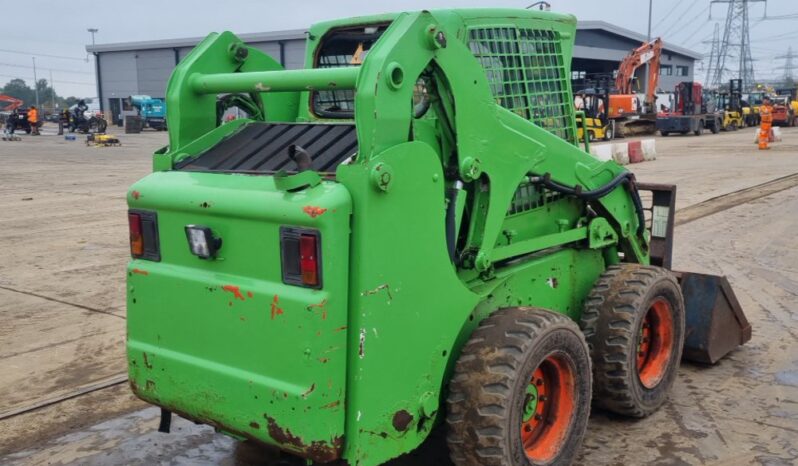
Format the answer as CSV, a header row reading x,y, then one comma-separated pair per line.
x,y
548,408
655,344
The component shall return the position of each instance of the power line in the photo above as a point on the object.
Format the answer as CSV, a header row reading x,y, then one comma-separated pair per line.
x,y
63,57
60,81
787,16
667,15
701,41
678,21
785,35
49,69
696,30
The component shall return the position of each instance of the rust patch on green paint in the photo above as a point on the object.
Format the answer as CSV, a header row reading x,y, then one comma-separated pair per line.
x,y
332,405
276,310
309,390
322,452
146,361
384,286
322,306
235,290
401,419
313,211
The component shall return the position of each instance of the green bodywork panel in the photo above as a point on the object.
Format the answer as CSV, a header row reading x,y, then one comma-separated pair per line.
x,y
358,369
225,341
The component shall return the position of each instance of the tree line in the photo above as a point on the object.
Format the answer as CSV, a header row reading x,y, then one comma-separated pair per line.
x,y
48,98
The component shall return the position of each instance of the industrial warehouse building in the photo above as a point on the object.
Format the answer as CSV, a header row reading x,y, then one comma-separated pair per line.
x,y
132,68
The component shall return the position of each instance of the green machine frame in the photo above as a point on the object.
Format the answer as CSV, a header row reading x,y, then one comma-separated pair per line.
x,y
439,220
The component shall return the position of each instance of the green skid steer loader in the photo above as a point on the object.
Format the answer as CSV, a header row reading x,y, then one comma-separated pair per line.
x,y
403,234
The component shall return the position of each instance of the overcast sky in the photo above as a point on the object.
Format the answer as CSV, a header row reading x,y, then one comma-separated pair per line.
x,y
59,38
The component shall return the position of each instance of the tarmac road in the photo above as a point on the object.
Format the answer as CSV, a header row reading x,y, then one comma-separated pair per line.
x,y
63,238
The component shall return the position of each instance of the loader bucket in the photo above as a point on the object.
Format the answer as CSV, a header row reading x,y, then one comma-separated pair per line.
x,y
715,323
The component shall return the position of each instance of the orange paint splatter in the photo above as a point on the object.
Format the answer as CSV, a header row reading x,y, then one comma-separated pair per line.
x,y
276,310
136,195
313,211
322,305
249,294
140,272
235,290
331,405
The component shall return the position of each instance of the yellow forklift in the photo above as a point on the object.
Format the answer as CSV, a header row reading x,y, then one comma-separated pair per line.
x,y
729,106
597,124
792,93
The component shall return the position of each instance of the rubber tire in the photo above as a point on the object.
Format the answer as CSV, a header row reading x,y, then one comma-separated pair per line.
x,y
733,126
700,128
612,317
609,134
487,388
590,136
715,129
664,133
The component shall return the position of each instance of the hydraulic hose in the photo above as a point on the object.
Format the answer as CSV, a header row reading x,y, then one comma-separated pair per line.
x,y
451,209
627,178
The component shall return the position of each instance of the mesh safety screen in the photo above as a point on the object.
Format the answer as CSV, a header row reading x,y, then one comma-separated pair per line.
x,y
527,75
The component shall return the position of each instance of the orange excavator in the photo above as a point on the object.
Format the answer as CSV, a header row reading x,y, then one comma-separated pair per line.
x,y
631,118
7,106
12,103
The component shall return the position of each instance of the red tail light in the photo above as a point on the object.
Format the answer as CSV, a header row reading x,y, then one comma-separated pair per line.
x,y
300,254
144,243
308,262
136,239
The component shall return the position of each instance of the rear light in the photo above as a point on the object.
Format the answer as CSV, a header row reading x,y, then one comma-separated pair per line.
x,y
136,239
300,253
144,243
308,260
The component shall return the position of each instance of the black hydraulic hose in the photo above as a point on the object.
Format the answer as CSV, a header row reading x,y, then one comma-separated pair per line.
x,y
451,211
420,109
627,178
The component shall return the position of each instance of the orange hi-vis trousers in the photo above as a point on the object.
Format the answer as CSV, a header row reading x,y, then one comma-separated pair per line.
x,y
766,115
764,135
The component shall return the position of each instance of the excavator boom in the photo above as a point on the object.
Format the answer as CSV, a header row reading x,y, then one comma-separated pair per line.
x,y
12,103
649,52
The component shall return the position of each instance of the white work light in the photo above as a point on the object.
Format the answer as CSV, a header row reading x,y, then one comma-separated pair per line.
x,y
201,241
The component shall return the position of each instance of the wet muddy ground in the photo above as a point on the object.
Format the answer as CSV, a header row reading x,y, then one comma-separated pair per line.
x,y
63,238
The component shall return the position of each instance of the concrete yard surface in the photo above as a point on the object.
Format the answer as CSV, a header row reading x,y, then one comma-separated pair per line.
x,y
64,246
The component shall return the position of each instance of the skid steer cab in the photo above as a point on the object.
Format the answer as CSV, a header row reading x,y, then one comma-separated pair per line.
x,y
404,234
